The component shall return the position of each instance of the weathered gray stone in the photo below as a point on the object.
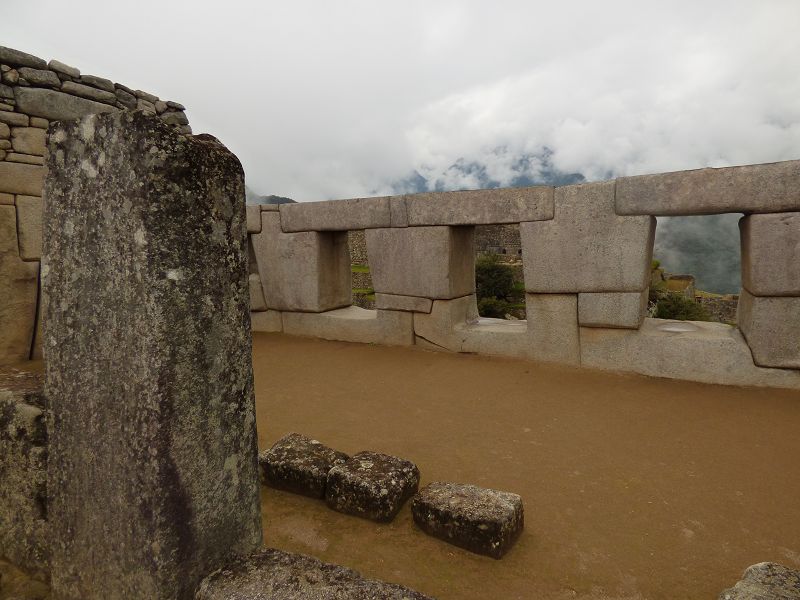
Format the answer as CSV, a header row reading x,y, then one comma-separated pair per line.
x,y
7,106
587,248
98,82
5,144
398,212
307,271
428,262
14,119
56,106
85,91
695,351
173,118
27,159
353,324
773,187
23,471
161,106
59,67
29,140
771,326
40,122
607,309
253,218
175,105
11,77
269,321
6,92
29,224
553,332
257,302
478,519
771,254
336,215
40,77
6,198
5,131
16,58
149,367
19,282
480,207
276,575
765,581
126,99
371,485
407,303
299,464
144,105
145,96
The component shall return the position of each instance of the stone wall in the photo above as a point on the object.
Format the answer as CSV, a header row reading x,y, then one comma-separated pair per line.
x,y
33,93
587,253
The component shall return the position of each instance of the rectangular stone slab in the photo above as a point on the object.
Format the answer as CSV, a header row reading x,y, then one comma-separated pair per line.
x,y
772,187
771,254
607,309
478,519
771,326
336,215
480,207
19,178
56,106
149,367
353,324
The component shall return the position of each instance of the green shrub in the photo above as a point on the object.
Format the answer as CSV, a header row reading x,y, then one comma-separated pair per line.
x,y
673,305
493,279
493,308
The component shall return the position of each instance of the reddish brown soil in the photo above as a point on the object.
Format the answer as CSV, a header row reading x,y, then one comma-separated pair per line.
x,y
634,487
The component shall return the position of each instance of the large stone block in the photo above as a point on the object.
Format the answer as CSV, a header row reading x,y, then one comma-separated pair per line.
x,y
407,303
257,302
587,248
149,367
29,221
276,575
269,321
19,178
771,254
428,262
696,351
56,106
17,58
28,140
480,207
353,324
767,188
765,581
553,332
19,283
253,218
308,271
771,326
336,215
608,309
24,538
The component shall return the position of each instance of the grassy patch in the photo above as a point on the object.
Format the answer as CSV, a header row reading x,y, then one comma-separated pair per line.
x,y
363,291
359,268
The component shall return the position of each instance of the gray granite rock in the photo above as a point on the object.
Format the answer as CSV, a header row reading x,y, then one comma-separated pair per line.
x,y
85,91
276,575
15,58
23,470
174,118
299,464
40,77
765,581
148,359
126,99
478,519
6,92
371,485
59,67
145,96
56,106
98,82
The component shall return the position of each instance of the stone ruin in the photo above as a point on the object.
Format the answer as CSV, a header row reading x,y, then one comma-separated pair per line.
x,y
135,476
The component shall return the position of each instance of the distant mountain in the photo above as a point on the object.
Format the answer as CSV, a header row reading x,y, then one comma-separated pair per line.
x,y
253,198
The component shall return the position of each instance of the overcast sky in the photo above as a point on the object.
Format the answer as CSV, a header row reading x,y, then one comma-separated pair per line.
x,y
336,99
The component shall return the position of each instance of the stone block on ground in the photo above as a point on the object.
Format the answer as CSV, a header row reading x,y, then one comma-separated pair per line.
x,y
24,538
268,321
428,262
478,519
765,581
307,271
773,187
553,332
771,326
336,215
587,247
371,485
407,303
19,285
353,324
299,464
277,575
607,309
149,366
771,254
480,207
694,351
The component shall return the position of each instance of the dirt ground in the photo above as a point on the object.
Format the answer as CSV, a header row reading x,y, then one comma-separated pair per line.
x,y
633,487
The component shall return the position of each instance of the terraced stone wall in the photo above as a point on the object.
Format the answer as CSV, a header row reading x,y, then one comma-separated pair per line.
x,y
587,253
33,93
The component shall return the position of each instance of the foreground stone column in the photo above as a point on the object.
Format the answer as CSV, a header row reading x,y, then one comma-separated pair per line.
x,y
153,470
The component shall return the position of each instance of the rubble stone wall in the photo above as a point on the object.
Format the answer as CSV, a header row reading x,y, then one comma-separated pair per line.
x,y
587,253
34,93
